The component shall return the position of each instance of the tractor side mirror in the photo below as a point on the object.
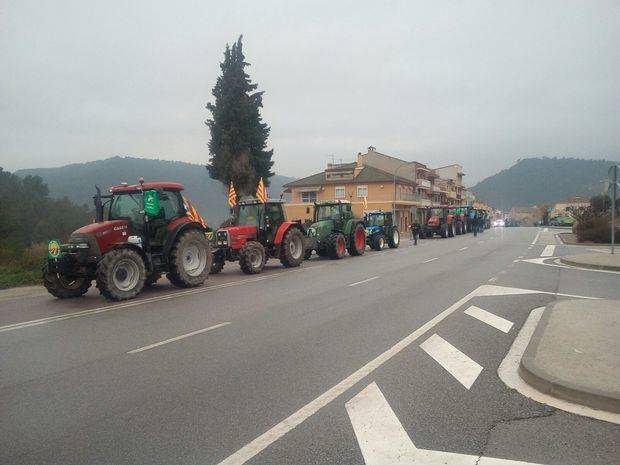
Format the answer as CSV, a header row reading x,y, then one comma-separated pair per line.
x,y
151,202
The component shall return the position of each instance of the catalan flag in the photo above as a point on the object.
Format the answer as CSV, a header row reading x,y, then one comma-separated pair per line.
x,y
365,203
192,213
232,195
261,191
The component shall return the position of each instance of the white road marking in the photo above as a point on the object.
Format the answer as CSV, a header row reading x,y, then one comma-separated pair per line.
x,y
137,302
173,339
548,251
263,441
455,362
541,261
493,279
599,251
463,248
536,238
384,441
430,260
508,372
364,281
521,256
489,318
546,230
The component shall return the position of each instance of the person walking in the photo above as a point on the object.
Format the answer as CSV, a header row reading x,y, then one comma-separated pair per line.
x,y
415,232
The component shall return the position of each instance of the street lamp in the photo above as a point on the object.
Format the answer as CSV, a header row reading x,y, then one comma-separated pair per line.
x,y
394,197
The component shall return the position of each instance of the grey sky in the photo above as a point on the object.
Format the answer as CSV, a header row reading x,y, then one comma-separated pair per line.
x,y
478,83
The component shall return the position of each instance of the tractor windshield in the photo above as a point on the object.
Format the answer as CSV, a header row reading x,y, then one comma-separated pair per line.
x,y
327,212
436,212
376,220
248,215
127,207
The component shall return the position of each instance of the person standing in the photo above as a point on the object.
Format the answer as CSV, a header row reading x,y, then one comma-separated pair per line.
x,y
415,232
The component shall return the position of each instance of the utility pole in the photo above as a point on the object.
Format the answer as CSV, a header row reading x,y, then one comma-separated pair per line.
x,y
613,186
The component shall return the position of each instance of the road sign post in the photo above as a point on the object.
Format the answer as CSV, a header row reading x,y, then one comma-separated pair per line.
x,y
613,186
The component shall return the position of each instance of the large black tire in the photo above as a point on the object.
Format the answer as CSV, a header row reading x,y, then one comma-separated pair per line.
x,y
292,248
307,254
394,238
152,279
121,274
190,259
217,265
451,230
378,242
322,252
357,241
458,229
252,257
444,230
335,244
64,288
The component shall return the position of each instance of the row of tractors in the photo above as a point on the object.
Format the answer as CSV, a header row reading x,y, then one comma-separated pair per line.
x,y
146,230
450,221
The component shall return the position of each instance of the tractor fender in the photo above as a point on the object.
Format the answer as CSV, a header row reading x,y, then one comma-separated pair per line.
x,y
283,229
179,228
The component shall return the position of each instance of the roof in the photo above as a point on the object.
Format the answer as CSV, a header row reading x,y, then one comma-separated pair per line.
x,y
252,201
168,186
366,174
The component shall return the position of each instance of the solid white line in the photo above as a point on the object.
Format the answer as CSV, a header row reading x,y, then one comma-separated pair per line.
x,y
548,251
137,302
536,238
182,336
489,318
430,260
276,432
364,281
546,230
508,372
455,362
463,248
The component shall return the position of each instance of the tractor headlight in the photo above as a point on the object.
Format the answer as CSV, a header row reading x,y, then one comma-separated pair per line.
x,y
78,245
222,238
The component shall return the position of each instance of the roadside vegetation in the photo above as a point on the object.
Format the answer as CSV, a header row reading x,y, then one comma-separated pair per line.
x,y
28,219
593,223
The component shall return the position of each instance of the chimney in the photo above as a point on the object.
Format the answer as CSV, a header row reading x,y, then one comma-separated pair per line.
x,y
360,160
372,149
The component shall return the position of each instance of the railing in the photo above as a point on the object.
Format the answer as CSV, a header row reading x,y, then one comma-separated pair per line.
x,y
423,183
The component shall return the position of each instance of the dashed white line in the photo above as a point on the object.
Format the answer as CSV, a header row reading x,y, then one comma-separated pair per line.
x,y
177,338
489,318
364,281
548,251
463,248
430,260
455,362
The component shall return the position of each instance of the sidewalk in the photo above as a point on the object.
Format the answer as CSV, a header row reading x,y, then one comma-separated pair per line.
x,y
599,261
574,354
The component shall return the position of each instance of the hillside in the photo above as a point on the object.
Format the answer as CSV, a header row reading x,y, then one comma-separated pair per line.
x,y
536,181
77,181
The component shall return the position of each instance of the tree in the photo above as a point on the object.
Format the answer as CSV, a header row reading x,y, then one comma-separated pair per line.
x,y
238,145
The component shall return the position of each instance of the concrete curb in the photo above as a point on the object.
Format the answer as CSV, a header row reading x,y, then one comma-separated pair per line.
x,y
539,379
570,262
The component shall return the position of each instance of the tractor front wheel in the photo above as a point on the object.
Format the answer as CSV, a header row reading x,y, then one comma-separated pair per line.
x,y
121,274
190,259
252,258
307,254
444,230
292,248
336,245
394,239
357,243
378,242
451,230
63,287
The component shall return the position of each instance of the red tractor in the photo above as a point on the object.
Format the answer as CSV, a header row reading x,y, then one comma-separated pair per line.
x,y
141,231
440,221
259,231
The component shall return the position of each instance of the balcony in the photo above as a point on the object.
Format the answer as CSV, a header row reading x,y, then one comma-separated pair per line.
x,y
424,183
408,197
437,189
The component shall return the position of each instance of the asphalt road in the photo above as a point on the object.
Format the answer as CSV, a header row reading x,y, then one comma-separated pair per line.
x,y
335,362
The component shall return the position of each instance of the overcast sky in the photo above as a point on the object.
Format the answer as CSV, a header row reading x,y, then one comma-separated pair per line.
x,y
478,83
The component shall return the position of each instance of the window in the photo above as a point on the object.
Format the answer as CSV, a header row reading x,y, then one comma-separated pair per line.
x,y
328,212
247,215
170,204
339,193
308,197
362,191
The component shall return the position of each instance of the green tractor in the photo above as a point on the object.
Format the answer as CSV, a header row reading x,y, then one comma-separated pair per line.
x,y
380,229
335,230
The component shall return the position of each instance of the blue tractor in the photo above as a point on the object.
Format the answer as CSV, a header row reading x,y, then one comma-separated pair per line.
x,y
380,229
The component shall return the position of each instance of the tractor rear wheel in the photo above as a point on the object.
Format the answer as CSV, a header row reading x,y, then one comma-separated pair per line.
x,y
292,248
458,229
322,252
394,239
378,242
450,230
357,243
190,259
252,257
307,254
121,274
336,245
444,230
63,287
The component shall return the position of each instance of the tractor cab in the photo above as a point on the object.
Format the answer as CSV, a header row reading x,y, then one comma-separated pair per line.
x,y
380,230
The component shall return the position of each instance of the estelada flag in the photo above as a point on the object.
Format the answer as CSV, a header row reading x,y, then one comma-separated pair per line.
x,y
192,213
232,195
261,191
365,203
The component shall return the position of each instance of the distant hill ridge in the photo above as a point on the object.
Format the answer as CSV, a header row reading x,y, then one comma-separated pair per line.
x,y
536,181
77,181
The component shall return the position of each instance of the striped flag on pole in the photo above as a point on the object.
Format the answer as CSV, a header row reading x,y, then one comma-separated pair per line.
x,y
232,195
261,191
365,203
192,213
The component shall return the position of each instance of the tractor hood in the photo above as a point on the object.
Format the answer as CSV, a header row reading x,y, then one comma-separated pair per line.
x,y
433,221
372,230
237,235
103,228
321,229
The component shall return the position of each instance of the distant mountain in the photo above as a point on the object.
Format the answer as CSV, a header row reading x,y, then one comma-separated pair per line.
x,y
77,181
536,181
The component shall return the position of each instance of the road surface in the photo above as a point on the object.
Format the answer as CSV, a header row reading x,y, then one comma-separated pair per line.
x,y
391,357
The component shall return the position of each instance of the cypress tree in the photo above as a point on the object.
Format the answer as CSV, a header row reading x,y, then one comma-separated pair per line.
x,y
238,145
